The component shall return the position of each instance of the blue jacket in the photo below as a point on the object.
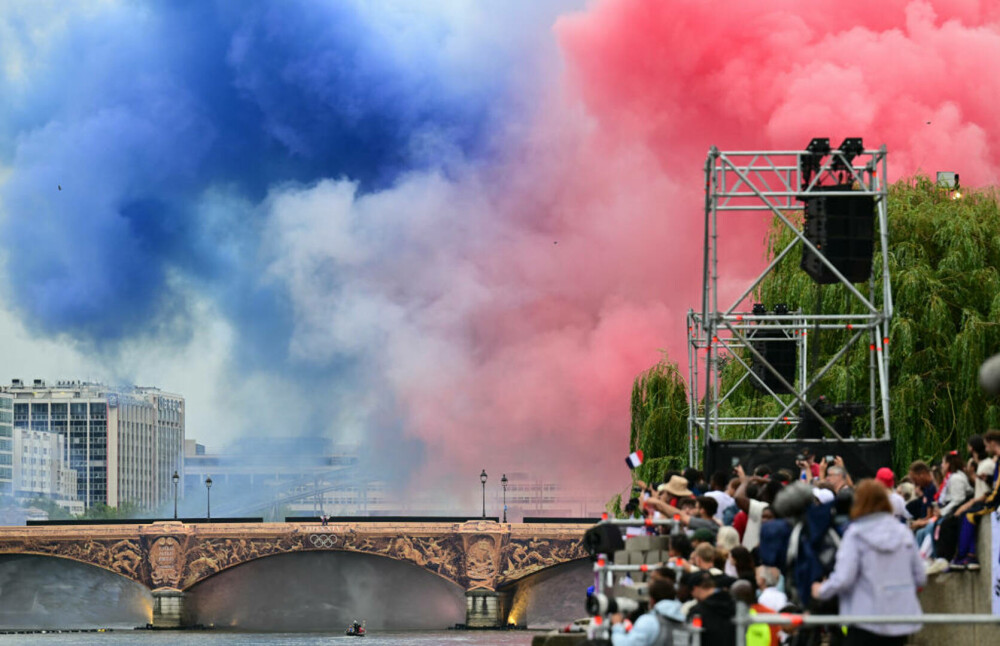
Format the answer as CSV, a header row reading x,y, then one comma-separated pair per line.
x,y
878,572
646,628
815,555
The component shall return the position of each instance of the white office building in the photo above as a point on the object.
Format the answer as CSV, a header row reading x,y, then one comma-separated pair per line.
x,y
42,469
124,443
6,444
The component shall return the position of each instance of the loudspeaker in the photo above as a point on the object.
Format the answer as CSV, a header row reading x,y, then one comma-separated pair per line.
x,y
780,353
842,227
810,428
603,539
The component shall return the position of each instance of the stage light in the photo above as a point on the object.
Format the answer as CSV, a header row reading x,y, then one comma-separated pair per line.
x,y
759,309
849,148
809,163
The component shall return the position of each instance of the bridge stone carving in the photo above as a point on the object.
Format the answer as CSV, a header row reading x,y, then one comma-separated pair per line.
x,y
170,557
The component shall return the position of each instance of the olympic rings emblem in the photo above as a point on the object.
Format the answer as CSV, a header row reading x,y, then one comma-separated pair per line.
x,y
323,540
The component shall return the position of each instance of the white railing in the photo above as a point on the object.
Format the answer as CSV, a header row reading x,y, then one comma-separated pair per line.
x,y
743,619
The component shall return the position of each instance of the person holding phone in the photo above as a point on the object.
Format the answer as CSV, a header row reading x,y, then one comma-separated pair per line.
x,y
718,484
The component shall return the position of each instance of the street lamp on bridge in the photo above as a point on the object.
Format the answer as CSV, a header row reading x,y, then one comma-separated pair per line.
x,y
208,499
482,478
175,478
503,483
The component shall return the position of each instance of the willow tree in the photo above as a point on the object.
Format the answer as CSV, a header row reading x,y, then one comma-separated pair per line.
x,y
944,255
659,423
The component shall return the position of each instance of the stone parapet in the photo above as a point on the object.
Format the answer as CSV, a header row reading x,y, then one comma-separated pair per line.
x,y
962,592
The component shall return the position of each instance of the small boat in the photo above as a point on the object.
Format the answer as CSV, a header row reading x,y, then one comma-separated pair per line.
x,y
356,630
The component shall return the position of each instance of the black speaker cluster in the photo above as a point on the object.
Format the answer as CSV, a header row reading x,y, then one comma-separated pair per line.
x,y
778,349
842,227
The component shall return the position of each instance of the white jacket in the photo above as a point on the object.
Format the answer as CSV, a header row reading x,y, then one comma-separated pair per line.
x,y
956,491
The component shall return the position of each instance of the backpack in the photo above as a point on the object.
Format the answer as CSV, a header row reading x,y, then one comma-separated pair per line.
x,y
728,514
812,552
666,636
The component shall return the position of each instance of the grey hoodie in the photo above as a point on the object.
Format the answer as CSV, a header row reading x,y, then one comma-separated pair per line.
x,y
878,572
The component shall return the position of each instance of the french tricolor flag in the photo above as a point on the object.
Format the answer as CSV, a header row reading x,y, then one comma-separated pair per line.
x,y
634,459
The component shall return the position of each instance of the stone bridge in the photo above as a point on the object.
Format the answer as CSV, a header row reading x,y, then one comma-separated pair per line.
x,y
169,557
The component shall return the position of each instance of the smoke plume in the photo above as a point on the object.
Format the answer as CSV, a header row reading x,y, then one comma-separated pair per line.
x,y
452,233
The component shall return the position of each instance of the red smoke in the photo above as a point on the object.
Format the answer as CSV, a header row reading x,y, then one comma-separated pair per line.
x,y
683,75
607,194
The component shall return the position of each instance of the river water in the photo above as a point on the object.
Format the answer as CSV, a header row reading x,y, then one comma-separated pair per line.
x,y
209,638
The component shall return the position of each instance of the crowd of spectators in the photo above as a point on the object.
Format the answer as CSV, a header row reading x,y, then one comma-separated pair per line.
x,y
810,538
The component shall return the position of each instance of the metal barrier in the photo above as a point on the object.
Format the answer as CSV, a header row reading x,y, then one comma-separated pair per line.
x,y
683,635
744,619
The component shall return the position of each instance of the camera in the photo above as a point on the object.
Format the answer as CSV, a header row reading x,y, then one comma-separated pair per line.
x,y
830,459
800,458
600,604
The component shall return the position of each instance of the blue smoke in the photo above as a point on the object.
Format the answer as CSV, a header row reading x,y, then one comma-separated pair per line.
x,y
140,139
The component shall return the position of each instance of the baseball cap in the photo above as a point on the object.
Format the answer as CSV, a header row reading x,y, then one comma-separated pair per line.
x,y
886,477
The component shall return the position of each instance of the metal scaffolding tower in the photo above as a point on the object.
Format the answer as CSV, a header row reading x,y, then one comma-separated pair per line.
x,y
777,183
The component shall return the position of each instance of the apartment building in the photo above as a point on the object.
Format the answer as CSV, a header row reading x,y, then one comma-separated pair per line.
x,y
124,443
6,444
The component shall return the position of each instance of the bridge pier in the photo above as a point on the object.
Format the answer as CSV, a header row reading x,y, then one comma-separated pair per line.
x,y
168,608
486,608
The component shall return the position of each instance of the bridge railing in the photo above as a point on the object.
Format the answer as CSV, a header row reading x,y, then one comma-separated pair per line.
x,y
744,619
682,634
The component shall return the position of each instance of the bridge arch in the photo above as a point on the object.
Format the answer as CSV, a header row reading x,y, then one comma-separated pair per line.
x,y
190,583
208,557
52,591
325,590
547,597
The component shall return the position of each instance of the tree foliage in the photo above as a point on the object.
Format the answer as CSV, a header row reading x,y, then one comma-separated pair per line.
x,y
101,511
659,423
944,256
54,511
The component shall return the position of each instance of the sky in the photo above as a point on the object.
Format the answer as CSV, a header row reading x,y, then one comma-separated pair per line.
x,y
452,233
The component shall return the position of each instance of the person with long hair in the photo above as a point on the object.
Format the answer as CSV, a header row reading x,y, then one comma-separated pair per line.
x,y
743,565
972,510
878,570
956,488
943,529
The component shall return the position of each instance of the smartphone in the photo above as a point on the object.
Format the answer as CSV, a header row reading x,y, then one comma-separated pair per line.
x,y
735,461
830,459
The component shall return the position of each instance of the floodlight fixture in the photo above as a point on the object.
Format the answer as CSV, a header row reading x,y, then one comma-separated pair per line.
x,y
849,149
948,179
809,164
